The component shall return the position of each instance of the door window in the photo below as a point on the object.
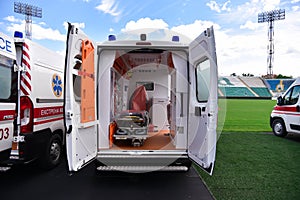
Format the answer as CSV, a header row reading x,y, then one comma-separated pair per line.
x,y
292,96
203,80
7,85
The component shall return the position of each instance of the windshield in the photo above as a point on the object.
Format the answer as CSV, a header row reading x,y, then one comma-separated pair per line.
x,y
8,80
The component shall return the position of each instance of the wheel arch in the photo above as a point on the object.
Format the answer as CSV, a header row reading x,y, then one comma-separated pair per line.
x,y
272,119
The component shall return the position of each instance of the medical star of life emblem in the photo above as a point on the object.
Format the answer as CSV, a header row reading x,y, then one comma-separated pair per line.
x,y
56,85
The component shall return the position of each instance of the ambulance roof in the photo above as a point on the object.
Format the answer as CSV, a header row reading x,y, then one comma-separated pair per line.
x,y
142,44
297,81
149,39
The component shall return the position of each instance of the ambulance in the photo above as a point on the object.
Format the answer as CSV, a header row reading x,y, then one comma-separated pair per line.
x,y
285,117
31,116
140,105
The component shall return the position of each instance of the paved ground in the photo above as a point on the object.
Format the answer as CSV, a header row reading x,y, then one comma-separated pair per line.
x,y
32,183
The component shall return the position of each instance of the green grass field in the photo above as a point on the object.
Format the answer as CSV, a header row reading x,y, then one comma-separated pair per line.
x,y
250,163
246,115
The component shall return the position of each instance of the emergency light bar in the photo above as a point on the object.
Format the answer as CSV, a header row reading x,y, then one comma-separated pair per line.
x,y
143,37
175,38
18,34
112,38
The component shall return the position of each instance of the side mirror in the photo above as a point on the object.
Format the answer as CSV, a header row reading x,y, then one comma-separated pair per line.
x,y
279,101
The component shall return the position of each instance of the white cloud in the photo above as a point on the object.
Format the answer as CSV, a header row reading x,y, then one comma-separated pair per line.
x,y
42,23
250,25
145,23
295,1
111,30
12,19
270,4
109,7
40,33
295,8
248,11
213,5
194,29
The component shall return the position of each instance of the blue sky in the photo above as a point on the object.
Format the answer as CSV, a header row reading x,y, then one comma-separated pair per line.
x,y
241,42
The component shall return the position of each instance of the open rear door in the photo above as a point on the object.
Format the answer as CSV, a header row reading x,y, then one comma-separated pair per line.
x,y
80,104
203,106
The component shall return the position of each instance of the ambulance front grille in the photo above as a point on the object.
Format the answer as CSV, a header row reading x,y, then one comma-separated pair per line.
x,y
138,169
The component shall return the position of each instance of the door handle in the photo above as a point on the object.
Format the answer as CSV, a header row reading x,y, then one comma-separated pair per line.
x,y
198,111
69,130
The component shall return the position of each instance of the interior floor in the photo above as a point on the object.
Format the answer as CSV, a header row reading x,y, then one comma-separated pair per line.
x,y
156,141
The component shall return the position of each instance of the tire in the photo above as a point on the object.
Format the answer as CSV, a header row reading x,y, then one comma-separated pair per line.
x,y
278,127
53,153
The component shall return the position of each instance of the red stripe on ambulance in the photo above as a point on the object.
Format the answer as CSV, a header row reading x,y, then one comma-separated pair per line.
x,y
48,120
7,115
48,111
286,108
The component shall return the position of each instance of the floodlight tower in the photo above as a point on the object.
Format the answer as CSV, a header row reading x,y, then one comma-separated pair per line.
x,y
28,11
270,17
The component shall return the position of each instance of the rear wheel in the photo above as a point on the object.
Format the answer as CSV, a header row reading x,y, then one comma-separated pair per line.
x,y
278,127
53,152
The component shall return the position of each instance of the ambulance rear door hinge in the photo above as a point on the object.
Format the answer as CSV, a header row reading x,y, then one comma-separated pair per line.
x,y
19,68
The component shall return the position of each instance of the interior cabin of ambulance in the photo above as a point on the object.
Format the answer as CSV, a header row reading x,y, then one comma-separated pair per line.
x,y
141,99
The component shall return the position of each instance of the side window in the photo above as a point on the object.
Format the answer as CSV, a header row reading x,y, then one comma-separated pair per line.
x,y
8,80
292,96
295,95
5,81
77,80
203,80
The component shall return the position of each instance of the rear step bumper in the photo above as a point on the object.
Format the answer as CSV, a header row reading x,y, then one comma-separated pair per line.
x,y
142,163
139,169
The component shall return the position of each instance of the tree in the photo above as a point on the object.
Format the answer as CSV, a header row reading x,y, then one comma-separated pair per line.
x,y
280,76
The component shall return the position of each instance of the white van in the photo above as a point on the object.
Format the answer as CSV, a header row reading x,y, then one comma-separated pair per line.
x,y
8,94
177,103
285,117
36,128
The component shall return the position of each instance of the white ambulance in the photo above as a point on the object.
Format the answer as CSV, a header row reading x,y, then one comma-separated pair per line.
x,y
285,117
8,94
36,80
105,116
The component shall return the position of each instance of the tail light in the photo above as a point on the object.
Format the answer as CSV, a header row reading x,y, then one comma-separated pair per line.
x,y
26,115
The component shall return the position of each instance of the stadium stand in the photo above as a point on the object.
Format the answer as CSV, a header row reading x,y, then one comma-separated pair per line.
x,y
257,85
232,86
262,92
252,87
243,87
279,85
